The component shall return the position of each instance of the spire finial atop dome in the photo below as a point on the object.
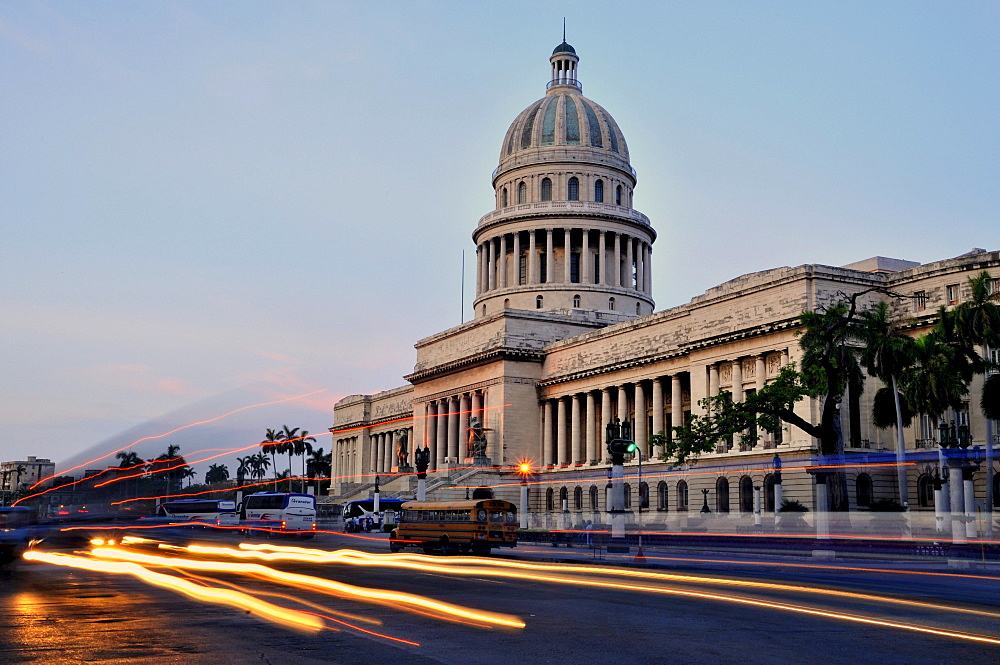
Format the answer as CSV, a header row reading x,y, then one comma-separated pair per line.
x,y
564,60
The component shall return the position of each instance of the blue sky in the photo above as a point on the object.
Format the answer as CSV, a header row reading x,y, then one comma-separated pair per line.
x,y
201,197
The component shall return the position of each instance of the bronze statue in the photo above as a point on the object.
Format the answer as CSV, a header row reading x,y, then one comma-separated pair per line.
x,y
476,444
401,450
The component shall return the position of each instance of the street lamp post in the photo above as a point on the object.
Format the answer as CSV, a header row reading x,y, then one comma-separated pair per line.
x,y
618,439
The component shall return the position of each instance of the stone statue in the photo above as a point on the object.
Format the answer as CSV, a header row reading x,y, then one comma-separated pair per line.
x,y
402,452
476,444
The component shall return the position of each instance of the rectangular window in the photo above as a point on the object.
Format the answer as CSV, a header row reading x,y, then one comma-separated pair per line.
x,y
522,269
994,286
953,294
543,268
920,300
597,269
574,267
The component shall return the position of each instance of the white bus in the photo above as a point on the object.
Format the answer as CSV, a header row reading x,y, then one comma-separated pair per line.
x,y
214,512
279,511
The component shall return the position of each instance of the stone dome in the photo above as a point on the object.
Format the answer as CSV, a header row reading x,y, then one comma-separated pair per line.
x,y
564,48
563,119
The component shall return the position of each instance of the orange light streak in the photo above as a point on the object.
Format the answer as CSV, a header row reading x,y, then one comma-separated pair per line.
x,y
182,427
472,566
242,601
395,598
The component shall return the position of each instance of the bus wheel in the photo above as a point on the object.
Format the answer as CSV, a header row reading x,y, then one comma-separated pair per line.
x,y
393,545
428,549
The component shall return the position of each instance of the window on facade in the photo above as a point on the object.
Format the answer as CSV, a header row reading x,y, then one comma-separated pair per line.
x,y
546,189
722,495
994,286
920,300
611,304
599,191
863,487
597,269
573,189
576,301
952,294
661,495
543,267
574,267
484,310
682,495
618,195
925,490
549,499
746,494
506,303
628,496
578,498
769,493
638,309
503,198
593,498
538,302
643,495
522,269
522,193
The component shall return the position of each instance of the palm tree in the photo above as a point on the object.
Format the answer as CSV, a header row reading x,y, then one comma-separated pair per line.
x,y
270,446
259,464
885,353
303,446
319,465
978,321
217,473
936,381
129,459
241,470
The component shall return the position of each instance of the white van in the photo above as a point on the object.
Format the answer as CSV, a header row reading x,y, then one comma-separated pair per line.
x,y
213,512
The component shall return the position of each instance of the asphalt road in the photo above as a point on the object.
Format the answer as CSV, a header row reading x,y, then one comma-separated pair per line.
x,y
57,615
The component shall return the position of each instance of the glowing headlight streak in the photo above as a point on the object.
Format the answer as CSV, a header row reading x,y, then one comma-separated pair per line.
x,y
242,601
566,574
321,611
395,598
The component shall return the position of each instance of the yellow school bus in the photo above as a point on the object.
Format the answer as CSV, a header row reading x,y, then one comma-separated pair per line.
x,y
455,526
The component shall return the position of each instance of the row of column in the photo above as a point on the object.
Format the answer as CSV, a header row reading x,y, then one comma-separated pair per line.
x,y
355,458
757,365
634,256
573,426
446,426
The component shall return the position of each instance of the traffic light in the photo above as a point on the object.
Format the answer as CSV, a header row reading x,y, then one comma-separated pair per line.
x,y
619,448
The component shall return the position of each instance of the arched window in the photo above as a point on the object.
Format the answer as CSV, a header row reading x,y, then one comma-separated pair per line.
x,y
643,495
722,495
576,301
506,303
594,498
769,493
863,488
637,310
578,498
628,496
522,193
563,498
503,199
546,189
573,190
682,495
611,304
618,195
925,490
661,495
538,302
549,497
484,309
746,494
599,191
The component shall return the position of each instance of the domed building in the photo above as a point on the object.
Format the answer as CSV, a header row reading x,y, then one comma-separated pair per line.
x,y
564,235
565,339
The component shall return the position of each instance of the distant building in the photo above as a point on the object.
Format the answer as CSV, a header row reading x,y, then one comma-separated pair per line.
x,y
22,474
566,338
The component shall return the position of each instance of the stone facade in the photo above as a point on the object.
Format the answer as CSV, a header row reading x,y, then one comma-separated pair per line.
x,y
547,363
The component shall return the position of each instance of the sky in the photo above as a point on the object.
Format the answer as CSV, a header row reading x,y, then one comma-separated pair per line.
x,y
206,206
